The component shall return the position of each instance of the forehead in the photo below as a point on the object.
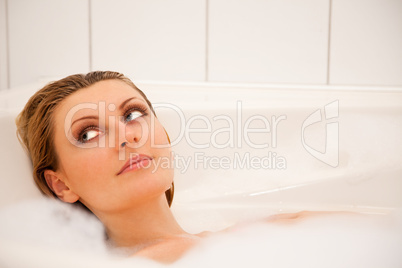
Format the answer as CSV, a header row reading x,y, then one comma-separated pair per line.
x,y
108,91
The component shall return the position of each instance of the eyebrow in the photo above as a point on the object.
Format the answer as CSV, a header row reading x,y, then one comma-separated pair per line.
x,y
85,117
121,106
125,102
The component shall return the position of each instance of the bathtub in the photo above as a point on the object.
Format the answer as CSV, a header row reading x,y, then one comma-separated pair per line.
x,y
244,152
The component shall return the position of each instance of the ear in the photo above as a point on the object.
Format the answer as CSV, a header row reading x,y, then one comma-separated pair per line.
x,y
57,185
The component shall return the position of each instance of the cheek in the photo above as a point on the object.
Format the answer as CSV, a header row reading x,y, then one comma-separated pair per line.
x,y
161,137
162,146
85,168
162,150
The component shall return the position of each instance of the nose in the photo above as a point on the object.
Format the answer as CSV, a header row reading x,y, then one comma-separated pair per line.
x,y
130,135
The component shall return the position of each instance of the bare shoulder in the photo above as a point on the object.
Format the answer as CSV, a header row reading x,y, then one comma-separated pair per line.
x,y
170,250
294,217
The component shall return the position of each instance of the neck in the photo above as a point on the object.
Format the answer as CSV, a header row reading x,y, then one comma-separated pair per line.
x,y
142,225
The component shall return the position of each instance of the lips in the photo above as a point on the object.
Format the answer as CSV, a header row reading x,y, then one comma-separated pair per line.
x,y
135,162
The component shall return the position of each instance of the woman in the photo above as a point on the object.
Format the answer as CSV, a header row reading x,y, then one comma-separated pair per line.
x,y
94,139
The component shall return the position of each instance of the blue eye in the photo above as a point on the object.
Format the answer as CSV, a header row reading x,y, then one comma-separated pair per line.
x,y
133,113
132,116
88,134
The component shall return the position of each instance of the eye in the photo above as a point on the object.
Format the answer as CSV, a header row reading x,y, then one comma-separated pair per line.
x,y
133,113
132,116
88,134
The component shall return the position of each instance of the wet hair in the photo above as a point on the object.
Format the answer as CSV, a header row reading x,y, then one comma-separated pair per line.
x,y
35,126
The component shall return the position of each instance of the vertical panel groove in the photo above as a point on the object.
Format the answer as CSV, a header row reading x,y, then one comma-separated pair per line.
x,y
90,35
7,46
329,42
206,40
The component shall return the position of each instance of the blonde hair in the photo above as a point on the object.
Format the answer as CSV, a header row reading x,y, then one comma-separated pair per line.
x,y
35,122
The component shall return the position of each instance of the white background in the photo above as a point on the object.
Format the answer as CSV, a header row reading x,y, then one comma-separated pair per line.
x,y
319,42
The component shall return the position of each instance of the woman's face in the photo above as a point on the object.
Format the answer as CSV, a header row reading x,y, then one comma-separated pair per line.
x,y
99,131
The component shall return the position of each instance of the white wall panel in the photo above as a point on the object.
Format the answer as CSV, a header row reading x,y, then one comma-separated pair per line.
x,y
150,40
47,38
366,42
3,46
278,41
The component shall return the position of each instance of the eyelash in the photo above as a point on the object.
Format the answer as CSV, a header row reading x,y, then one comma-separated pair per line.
x,y
84,130
130,109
